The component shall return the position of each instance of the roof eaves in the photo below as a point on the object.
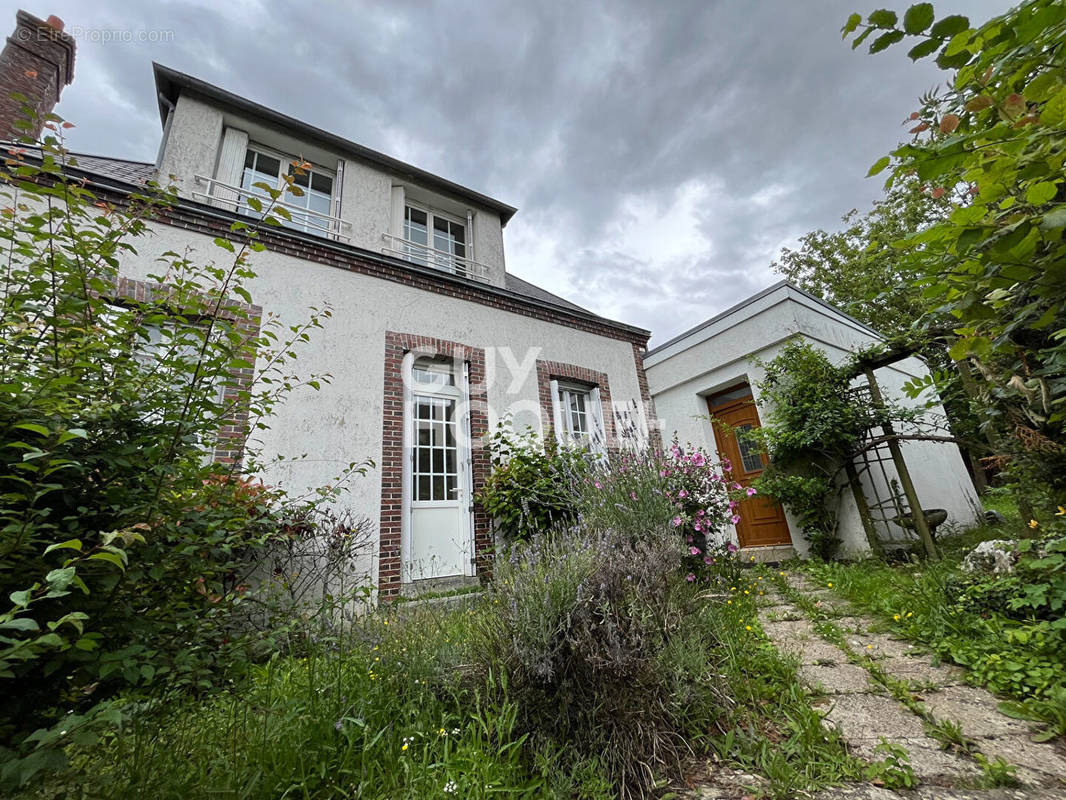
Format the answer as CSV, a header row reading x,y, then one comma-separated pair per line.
x,y
784,284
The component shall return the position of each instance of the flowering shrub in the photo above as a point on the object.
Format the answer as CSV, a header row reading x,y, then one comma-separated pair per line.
x,y
640,492
606,651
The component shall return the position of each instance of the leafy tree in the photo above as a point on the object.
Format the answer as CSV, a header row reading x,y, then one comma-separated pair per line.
x,y
993,142
857,268
862,270
124,549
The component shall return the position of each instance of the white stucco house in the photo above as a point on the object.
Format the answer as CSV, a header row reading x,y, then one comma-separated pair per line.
x,y
710,370
432,342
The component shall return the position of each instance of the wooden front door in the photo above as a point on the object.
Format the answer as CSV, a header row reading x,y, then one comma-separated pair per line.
x,y
762,520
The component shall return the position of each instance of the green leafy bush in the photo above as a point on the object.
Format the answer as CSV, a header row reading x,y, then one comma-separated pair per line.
x,y
124,548
531,486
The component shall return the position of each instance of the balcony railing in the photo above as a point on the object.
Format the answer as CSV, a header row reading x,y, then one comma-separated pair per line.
x,y
431,257
303,219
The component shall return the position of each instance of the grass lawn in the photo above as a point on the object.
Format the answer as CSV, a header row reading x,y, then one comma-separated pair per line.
x,y
395,711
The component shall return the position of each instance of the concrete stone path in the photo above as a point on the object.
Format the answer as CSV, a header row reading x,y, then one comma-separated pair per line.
x,y
878,687
858,700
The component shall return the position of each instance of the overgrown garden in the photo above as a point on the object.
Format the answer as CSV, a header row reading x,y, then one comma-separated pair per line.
x,y
163,633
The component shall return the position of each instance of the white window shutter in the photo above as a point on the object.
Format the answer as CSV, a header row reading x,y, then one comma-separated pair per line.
x,y
557,413
230,167
599,433
338,188
398,201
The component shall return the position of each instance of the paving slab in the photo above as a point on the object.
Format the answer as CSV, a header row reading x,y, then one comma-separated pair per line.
x,y
852,624
869,717
881,645
1038,763
836,679
975,709
783,630
930,763
920,669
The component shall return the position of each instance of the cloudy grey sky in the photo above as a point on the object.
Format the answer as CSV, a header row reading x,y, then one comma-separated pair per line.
x,y
660,153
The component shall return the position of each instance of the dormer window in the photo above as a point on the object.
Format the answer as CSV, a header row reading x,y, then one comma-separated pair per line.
x,y
447,248
311,210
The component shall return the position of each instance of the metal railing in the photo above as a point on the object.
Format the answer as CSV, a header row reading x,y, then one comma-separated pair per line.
x,y
303,219
438,259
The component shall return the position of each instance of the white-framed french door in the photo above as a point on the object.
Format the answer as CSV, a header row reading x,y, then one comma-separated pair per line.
x,y
438,519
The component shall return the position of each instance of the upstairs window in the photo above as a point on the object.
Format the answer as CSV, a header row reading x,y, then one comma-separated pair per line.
x,y
310,210
434,240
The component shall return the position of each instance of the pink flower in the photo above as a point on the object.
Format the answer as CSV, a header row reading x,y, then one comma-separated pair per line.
x,y
690,577
698,527
597,485
633,495
698,459
732,548
688,539
663,473
677,522
693,551
727,465
682,494
735,519
708,560
751,491
700,513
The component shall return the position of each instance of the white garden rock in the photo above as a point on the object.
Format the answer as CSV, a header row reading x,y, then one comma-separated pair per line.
x,y
996,556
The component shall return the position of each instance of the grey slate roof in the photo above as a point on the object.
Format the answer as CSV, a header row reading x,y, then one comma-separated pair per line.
x,y
519,286
119,169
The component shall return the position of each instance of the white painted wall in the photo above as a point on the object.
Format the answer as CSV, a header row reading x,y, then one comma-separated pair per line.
x,y
343,422
684,373
195,139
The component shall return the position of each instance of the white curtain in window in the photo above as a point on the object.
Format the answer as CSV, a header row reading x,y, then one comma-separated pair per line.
x,y
557,413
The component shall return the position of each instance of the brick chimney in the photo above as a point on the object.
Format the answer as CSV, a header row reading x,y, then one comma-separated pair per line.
x,y
37,62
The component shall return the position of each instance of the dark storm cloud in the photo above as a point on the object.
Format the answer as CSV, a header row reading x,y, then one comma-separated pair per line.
x,y
660,154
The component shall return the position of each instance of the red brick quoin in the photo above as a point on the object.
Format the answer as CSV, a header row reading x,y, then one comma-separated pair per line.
x,y
390,540
548,371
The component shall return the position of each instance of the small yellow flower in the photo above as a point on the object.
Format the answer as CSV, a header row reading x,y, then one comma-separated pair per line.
x,y
746,592
404,747
910,613
782,574
1061,512
747,627
729,602
869,647
895,617
1034,524
830,585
